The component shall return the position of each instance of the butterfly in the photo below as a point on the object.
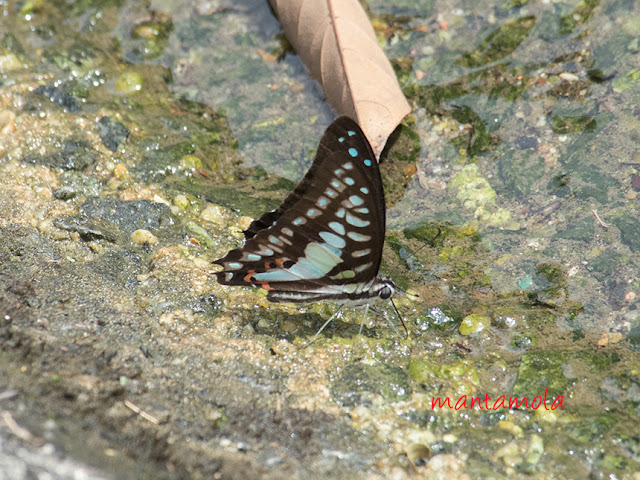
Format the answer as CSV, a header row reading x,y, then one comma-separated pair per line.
x,y
325,241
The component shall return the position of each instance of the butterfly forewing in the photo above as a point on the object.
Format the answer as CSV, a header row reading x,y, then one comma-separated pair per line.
x,y
325,240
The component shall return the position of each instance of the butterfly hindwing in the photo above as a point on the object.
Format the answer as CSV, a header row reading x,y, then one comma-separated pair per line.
x,y
325,240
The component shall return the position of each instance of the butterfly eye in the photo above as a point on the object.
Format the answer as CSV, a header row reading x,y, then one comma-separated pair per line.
x,y
385,293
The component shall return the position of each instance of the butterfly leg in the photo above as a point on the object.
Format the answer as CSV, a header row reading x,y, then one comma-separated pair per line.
x,y
324,325
364,317
391,324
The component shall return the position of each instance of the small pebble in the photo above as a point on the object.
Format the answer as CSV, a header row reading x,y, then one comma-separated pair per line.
x,y
474,323
120,171
535,450
549,416
112,132
569,77
129,82
604,340
510,454
418,454
182,202
615,337
189,162
140,237
215,214
66,192
7,122
9,62
510,427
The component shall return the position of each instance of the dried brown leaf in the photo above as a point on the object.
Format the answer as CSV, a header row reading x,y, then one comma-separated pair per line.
x,y
336,41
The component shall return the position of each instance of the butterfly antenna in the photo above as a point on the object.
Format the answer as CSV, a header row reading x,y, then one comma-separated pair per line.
x,y
429,242
400,318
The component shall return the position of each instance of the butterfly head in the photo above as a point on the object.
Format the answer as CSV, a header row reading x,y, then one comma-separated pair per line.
x,y
383,288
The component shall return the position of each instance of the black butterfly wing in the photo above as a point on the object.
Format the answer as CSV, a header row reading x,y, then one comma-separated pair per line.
x,y
329,145
326,239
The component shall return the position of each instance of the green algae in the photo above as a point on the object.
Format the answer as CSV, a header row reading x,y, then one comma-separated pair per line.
x,y
479,138
628,81
154,36
569,117
519,171
402,254
582,172
433,234
577,17
451,379
398,163
551,285
475,193
580,230
630,231
358,381
499,44
606,264
602,361
540,371
158,164
523,341
587,180
515,3
252,195
568,124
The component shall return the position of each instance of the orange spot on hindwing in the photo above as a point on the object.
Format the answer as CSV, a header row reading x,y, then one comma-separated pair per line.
x,y
247,277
